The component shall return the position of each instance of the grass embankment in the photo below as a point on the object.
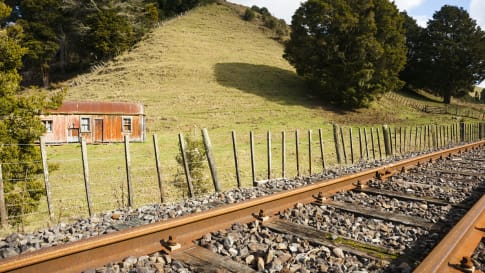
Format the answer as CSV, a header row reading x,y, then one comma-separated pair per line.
x,y
206,69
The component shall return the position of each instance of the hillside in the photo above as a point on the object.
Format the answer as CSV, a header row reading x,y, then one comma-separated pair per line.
x,y
209,68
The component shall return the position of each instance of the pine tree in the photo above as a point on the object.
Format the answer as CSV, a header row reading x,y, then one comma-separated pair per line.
x,y
349,51
451,53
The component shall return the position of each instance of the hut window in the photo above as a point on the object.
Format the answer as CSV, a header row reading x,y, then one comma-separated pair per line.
x,y
85,125
126,124
48,125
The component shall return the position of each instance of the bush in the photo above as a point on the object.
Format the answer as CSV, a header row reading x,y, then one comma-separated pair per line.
x,y
249,15
196,157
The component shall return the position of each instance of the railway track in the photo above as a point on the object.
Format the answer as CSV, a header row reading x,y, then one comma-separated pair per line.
x,y
385,219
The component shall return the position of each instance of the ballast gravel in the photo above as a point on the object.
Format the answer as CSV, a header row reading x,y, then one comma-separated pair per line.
x,y
307,258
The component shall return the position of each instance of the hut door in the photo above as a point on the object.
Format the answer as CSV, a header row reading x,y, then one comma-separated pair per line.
x,y
98,130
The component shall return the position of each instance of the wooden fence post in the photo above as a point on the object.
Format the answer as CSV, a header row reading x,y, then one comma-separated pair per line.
x,y
361,149
210,159
400,141
253,160
236,162
395,140
337,143
128,171
190,188
351,146
47,184
366,144
283,154
343,144
297,143
385,134
268,143
404,140
3,208
379,143
84,156
310,151
158,166
372,143
416,139
322,148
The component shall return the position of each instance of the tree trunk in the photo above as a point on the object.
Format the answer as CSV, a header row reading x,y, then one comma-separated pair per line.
x,y
62,50
44,69
447,99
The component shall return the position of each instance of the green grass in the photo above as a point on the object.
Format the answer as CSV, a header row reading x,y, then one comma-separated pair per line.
x,y
207,69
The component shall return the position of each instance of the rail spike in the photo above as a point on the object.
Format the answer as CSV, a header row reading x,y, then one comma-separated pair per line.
x,y
172,244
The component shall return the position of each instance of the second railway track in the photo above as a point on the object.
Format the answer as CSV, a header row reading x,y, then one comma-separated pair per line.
x,y
385,219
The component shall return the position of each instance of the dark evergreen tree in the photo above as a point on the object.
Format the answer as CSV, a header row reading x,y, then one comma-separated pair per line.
x,y
108,34
414,71
350,51
452,54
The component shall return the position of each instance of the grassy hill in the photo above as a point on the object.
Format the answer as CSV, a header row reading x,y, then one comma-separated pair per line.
x,y
209,68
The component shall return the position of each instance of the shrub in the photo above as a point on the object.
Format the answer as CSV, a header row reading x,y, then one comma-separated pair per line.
x,y
195,156
249,15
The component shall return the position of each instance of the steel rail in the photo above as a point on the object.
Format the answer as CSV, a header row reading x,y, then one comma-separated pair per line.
x,y
460,242
97,251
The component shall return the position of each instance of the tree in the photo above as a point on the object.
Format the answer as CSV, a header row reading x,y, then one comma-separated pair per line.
x,y
452,55
41,21
19,125
349,51
413,74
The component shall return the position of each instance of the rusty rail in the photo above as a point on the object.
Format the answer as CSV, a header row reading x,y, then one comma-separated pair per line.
x,y
98,251
458,244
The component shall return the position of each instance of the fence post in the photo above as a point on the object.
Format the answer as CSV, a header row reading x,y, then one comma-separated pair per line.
x,y
366,144
47,184
84,156
3,208
372,143
283,154
351,146
462,131
322,148
385,134
253,162
343,144
236,162
210,159
190,188
361,149
297,147
337,143
310,151
157,165
268,143
128,171
379,143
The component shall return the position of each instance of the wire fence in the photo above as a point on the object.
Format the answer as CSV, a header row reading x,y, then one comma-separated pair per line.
x,y
81,180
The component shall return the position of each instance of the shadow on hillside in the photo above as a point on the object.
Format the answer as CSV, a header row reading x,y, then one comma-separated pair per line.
x,y
273,83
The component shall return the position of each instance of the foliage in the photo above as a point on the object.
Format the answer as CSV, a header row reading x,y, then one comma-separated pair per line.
x,y
449,55
351,52
108,34
249,15
279,26
68,36
195,157
19,127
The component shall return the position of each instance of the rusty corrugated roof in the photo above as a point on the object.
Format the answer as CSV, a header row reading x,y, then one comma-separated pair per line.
x,y
96,107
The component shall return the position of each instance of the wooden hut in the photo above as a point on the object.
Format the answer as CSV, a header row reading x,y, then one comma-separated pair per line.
x,y
96,122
